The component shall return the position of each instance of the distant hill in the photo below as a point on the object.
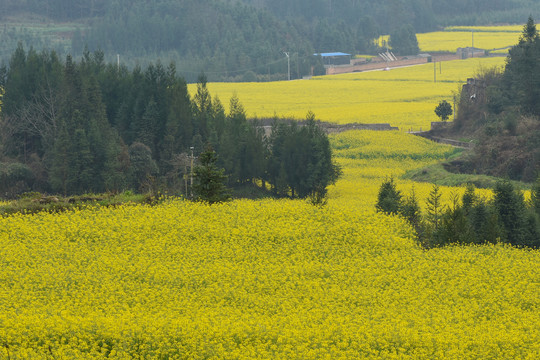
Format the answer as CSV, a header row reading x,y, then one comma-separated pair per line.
x,y
233,40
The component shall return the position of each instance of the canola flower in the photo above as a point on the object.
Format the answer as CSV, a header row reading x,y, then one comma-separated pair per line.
x,y
403,97
269,279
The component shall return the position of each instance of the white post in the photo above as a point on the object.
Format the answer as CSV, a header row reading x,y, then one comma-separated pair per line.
x,y
191,192
288,65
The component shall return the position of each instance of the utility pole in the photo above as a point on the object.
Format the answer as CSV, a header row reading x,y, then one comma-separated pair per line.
x,y
288,65
191,187
472,47
454,108
434,71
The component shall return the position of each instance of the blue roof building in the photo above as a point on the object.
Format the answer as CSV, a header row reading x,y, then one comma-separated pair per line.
x,y
335,58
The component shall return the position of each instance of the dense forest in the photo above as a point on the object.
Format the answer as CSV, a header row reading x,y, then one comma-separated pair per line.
x,y
245,40
500,110
72,127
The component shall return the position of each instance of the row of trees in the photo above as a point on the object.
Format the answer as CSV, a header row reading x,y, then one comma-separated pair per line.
x,y
73,127
471,219
237,40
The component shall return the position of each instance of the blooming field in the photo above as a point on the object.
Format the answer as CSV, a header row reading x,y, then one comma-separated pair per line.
x,y
454,37
368,157
404,97
264,279
452,40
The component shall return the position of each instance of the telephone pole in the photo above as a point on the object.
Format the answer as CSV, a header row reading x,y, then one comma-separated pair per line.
x,y
191,187
288,65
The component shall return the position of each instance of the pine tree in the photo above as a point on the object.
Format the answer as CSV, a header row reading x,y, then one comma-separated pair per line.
x,y
434,208
389,198
209,183
510,207
469,198
411,211
530,33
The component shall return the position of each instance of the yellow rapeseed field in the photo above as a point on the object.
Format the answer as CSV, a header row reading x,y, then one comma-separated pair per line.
x,y
276,279
454,37
368,157
404,97
270,279
452,40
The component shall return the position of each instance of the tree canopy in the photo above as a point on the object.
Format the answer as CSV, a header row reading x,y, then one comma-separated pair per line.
x,y
73,127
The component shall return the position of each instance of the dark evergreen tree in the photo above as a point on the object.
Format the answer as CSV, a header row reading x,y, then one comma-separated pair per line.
x,y
210,181
410,210
522,71
403,41
453,227
389,199
142,168
510,207
434,208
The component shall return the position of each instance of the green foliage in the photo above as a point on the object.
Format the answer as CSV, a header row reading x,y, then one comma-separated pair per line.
x,y
535,196
87,126
389,198
225,36
403,41
35,202
503,111
444,110
434,208
510,207
471,219
15,178
410,210
299,160
209,183
521,77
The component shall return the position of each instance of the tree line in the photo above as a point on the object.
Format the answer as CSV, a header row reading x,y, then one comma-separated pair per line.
x,y
72,127
469,219
245,40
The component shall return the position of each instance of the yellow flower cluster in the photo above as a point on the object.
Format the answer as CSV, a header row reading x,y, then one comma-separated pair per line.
x,y
269,279
404,97
256,280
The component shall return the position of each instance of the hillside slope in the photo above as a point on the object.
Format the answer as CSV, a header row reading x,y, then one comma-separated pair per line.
x,y
234,40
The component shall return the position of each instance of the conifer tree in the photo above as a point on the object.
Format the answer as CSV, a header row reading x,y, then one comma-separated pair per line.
x,y
434,208
510,208
209,183
411,211
389,198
